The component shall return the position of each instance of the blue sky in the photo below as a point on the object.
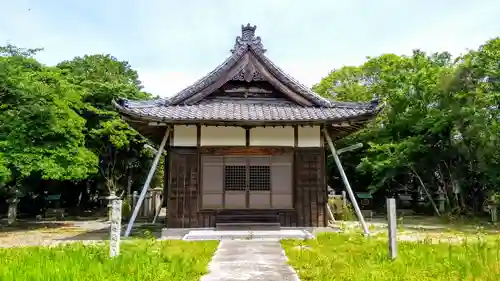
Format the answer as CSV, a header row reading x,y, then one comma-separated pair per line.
x,y
173,43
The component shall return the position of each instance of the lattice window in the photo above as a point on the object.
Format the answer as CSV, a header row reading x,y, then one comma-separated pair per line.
x,y
260,178
235,177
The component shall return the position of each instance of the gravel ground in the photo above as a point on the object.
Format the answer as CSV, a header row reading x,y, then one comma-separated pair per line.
x,y
97,231
53,233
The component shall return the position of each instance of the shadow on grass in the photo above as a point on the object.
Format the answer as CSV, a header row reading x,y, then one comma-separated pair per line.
x,y
138,232
91,230
430,224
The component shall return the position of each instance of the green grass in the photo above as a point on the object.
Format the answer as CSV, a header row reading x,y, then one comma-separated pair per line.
x,y
355,258
139,260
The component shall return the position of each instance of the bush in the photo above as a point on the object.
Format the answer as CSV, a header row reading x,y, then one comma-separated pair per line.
x,y
126,210
341,211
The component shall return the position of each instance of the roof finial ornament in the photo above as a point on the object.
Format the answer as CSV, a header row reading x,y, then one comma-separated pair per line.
x,y
248,38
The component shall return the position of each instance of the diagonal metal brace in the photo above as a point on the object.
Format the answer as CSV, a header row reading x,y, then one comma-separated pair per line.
x,y
146,183
346,183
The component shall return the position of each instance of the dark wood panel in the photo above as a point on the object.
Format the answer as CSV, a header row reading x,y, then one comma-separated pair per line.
x,y
166,176
310,187
183,188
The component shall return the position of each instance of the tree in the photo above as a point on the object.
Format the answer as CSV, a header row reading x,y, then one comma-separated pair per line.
x,y
40,132
431,135
104,78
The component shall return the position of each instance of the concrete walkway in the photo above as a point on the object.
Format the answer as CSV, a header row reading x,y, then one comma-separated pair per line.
x,y
257,260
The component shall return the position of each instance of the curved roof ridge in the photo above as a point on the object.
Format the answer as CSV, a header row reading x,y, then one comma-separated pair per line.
x,y
207,79
303,89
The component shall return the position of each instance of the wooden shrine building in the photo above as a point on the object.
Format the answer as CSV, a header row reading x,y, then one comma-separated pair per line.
x,y
245,143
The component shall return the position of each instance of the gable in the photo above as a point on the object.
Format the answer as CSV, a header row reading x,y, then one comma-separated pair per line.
x,y
248,92
249,77
248,63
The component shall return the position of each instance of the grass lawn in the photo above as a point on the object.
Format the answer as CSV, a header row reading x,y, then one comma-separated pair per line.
x,y
140,260
352,257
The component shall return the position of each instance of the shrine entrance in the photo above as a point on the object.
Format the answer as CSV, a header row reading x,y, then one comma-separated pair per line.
x,y
247,182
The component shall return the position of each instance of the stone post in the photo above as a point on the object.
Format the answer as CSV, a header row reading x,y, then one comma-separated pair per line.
x,y
441,201
135,197
492,206
391,219
12,211
112,196
115,229
344,199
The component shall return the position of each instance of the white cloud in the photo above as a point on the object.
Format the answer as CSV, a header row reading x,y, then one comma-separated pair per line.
x,y
464,28
166,83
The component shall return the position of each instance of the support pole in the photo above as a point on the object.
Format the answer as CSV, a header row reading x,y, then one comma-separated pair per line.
x,y
391,226
146,183
346,183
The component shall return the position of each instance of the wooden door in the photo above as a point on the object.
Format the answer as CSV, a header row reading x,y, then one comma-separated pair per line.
x,y
259,182
235,182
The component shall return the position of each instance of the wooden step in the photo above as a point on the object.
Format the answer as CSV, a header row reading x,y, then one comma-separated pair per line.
x,y
246,216
247,226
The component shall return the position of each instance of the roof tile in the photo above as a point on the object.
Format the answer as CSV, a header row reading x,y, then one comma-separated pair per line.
x,y
227,111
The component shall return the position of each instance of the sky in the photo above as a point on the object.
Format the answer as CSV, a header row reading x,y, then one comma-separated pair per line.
x,y
173,43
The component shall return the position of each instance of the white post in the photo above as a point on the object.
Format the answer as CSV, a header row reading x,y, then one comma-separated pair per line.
x,y
116,218
391,219
135,196
158,206
147,182
346,183
330,213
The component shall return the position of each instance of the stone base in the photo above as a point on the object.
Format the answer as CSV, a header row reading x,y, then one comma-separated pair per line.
x,y
195,235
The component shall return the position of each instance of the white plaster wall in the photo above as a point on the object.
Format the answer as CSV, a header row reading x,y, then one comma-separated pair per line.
x,y
272,136
309,136
222,136
185,135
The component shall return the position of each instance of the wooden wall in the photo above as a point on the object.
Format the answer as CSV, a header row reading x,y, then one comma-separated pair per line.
x,y
184,192
310,190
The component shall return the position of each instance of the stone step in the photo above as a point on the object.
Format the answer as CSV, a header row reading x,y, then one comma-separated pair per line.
x,y
247,235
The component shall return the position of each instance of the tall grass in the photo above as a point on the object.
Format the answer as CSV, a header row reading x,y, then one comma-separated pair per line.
x,y
344,257
142,260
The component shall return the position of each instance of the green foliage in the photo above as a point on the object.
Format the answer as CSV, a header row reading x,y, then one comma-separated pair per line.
x,y
58,123
12,51
440,127
103,79
40,132
126,210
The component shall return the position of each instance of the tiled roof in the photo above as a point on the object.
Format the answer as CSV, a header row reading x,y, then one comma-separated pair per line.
x,y
237,111
192,104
